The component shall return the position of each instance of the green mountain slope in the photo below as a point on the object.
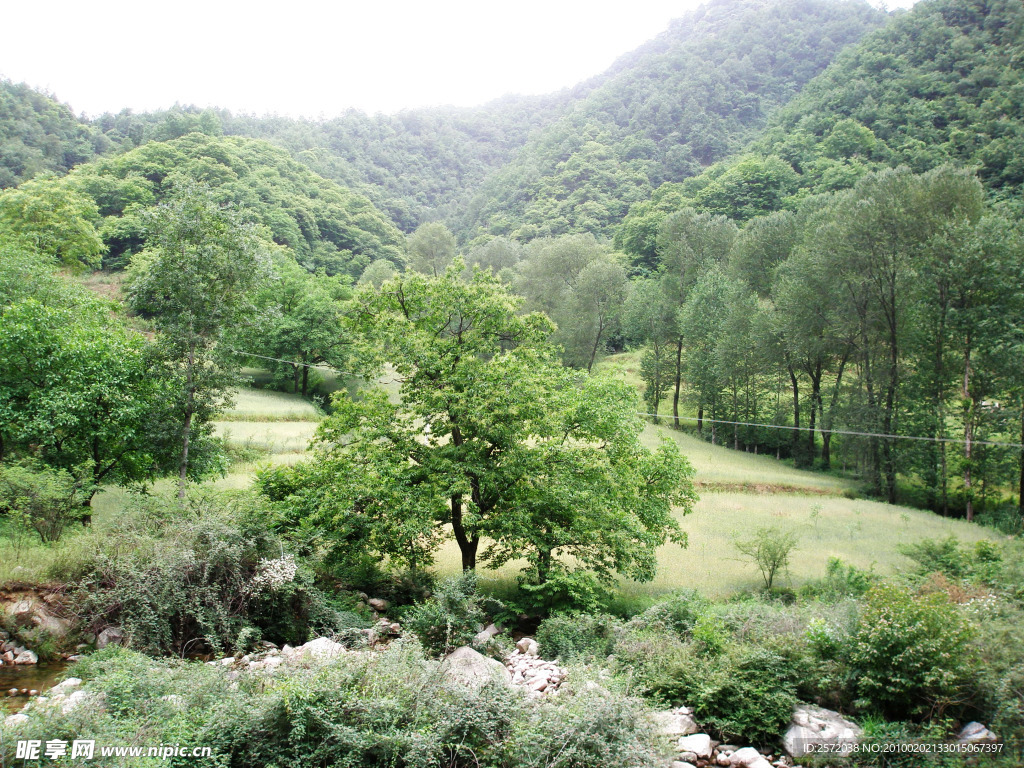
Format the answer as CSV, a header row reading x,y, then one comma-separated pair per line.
x,y
38,133
941,83
692,96
325,226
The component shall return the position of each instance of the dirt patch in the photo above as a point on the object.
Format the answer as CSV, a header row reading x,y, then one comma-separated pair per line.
x,y
767,489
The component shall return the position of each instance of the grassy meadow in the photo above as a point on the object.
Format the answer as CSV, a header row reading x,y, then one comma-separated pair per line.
x,y
740,493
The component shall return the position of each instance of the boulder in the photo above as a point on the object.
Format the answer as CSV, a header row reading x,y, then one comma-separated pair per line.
x,y
528,646
675,722
486,634
26,657
17,719
976,733
745,756
321,648
813,727
378,604
473,669
110,636
682,764
67,686
697,743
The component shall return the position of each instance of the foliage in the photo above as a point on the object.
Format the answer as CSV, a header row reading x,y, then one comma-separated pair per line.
x,y
841,581
679,613
197,578
79,389
770,549
45,499
53,219
322,225
680,103
195,282
578,636
375,710
911,653
493,437
450,617
40,134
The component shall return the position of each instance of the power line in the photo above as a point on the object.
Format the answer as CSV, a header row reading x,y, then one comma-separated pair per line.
x,y
852,433
840,431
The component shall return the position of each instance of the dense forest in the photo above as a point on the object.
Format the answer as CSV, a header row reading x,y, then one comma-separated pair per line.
x,y
267,380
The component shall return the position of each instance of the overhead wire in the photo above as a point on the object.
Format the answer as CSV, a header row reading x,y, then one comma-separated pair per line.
x,y
848,432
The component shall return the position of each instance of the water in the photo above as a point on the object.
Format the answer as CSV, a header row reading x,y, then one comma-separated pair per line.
x,y
31,676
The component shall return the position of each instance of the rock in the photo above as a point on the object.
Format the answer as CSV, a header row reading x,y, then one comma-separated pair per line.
x,y
110,636
8,657
688,757
748,757
321,648
395,628
67,686
26,658
528,647
378,604
78,699
75,657
272,662
675,723
538,684
682,764
473,669
12,691
698,743
486,634
812,727
976,733
17,719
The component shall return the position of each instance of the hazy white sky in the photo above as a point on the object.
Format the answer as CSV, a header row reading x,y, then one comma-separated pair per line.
x,y
318,58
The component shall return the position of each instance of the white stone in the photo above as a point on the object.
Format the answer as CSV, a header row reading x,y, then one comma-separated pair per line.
x,y
75,700
473,669
674,723
812,727
976,733
71,684
110,636
528,646
17,719
486,634
26,657
378,604
321,648
698,743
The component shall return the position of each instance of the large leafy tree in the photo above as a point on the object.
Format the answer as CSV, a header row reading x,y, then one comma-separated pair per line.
x,y
195,281
78,390
493,437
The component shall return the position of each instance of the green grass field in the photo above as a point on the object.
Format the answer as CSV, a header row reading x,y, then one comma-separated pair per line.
x,y
740,493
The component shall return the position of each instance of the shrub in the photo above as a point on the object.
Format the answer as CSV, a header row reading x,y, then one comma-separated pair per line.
x,y
378,710
450,618
841,580
769,548
679,612
746,693
564,590
577,636
910,653
42,498
202,582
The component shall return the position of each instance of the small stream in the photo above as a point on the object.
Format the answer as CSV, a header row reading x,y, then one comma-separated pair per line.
x,y
30,676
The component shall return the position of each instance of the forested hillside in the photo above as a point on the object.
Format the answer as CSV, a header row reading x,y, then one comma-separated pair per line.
x,y
687,99
39,134
325,226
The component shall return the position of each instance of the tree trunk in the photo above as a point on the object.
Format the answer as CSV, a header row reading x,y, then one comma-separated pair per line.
x,y
968,430
700,418
796,414
1020,485
467,544
186,433
679,379
305,378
